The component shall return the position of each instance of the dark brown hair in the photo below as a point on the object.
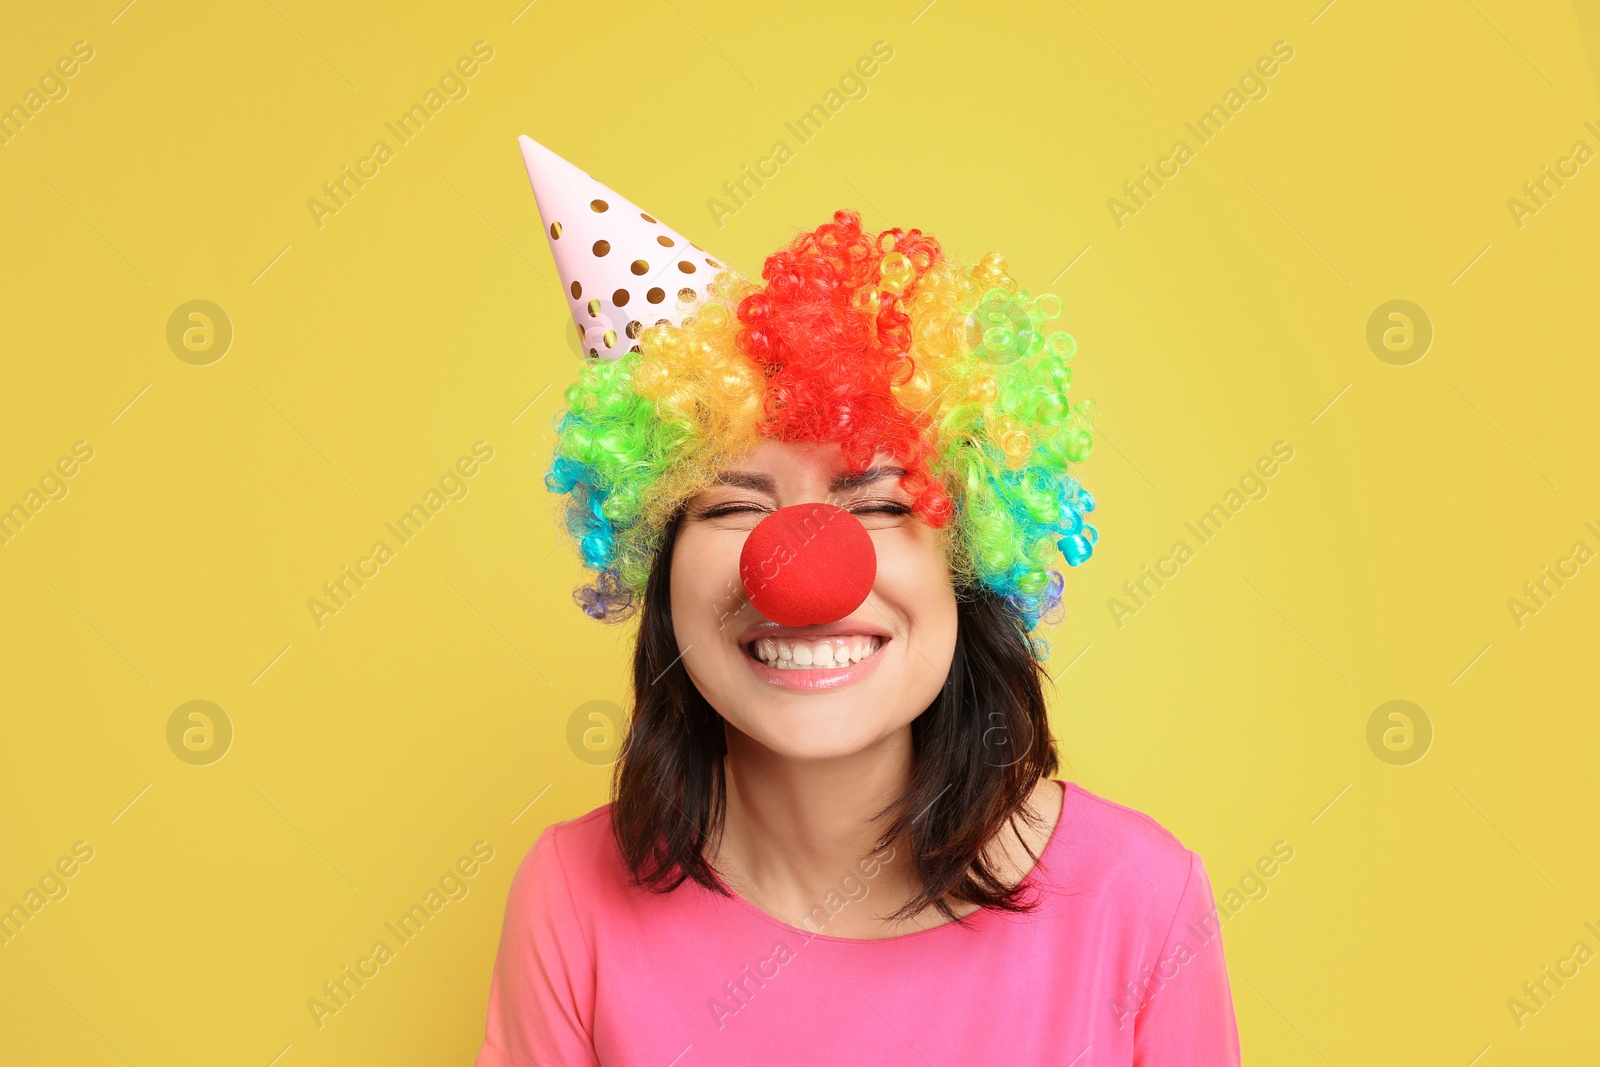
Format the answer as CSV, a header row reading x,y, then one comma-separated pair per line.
x,y
978,751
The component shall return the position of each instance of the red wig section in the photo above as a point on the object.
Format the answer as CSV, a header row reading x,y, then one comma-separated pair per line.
x,y
833,339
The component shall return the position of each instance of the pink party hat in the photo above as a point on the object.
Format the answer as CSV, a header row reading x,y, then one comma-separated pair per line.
x,y
620,268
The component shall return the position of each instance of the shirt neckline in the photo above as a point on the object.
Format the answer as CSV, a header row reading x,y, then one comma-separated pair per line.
x,y
978,917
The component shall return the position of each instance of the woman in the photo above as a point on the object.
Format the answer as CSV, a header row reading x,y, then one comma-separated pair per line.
x,y
832,501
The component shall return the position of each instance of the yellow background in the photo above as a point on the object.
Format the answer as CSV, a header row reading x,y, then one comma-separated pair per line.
x,y
1229,313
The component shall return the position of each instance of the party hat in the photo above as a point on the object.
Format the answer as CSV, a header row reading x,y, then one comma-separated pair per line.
x,y
621,269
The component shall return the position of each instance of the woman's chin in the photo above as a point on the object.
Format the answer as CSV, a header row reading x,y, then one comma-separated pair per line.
x,y
807,731
816,749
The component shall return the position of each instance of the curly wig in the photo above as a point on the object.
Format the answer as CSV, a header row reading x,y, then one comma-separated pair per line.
x,y
880,342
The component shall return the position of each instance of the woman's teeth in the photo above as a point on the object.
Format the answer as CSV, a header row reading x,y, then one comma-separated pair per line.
x,y
787,654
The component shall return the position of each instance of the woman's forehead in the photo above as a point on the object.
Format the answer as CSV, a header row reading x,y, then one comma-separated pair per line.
x,y
802,467
776,456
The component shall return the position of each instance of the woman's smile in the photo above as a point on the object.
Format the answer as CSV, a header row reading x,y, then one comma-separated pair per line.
x,y
816,657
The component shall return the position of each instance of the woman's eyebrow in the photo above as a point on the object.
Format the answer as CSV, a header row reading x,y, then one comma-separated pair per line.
x,y
762,483
866,477
765,483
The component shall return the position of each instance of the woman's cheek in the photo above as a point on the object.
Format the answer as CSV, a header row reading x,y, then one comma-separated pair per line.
x,y
914,580
911,562
688,593
706,592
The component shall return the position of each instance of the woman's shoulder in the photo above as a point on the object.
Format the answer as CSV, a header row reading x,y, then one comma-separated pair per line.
x,y
574,846
574,860
1116,846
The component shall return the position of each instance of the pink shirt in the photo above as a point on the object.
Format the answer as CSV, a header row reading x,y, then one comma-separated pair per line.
x,y
592,971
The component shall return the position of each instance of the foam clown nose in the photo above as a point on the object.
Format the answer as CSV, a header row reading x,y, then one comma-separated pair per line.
x,y
808,564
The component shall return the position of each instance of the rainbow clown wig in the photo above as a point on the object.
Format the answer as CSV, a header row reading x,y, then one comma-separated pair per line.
x,y
881,342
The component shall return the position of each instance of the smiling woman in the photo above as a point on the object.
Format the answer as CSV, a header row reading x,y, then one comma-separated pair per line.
x,y
834,503
917,649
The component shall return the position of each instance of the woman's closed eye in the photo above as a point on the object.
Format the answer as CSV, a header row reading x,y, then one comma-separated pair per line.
x,y
877,507
733,507
869,507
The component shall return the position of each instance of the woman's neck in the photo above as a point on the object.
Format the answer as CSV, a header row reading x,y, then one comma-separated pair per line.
x,y
810,814
798,842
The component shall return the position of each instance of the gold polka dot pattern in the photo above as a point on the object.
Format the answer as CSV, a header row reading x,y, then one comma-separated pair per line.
x,y
608,252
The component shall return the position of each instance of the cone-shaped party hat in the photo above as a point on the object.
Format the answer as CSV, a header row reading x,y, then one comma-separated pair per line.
x,y
620,268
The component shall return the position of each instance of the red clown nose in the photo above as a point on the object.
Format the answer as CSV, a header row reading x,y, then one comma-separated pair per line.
x,y
808,564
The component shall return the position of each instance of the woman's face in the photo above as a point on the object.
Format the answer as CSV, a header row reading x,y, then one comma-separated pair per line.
x,y
910,611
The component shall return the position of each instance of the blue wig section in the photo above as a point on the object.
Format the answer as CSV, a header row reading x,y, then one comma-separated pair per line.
x,y
1074,537
586,519
606,598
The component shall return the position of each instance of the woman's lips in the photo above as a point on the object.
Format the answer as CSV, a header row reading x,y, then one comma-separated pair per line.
x,y
815,677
